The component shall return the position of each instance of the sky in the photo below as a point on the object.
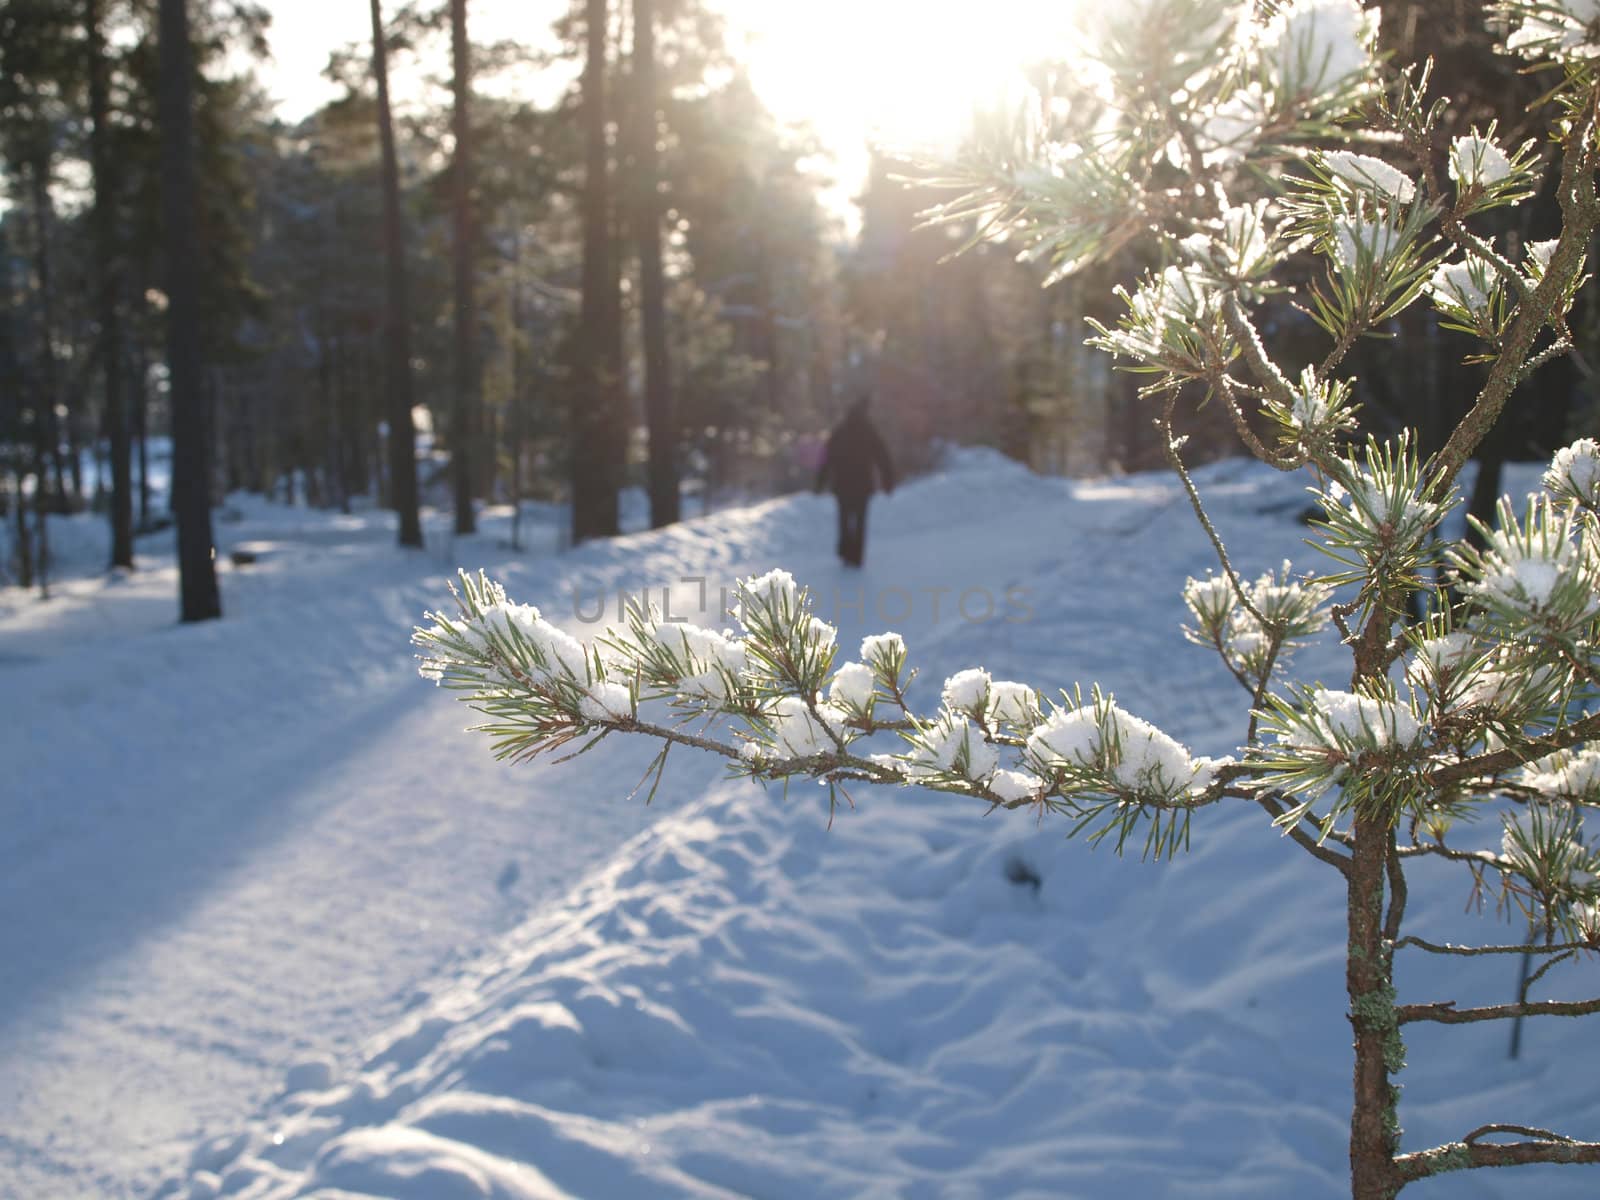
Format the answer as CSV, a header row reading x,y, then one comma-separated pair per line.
x,y
901,71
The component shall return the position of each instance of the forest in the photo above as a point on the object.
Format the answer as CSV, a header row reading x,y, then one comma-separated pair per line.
x,y
639,284
471,297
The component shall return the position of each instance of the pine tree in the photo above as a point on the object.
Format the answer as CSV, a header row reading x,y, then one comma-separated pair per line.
x,y
466,411
108,262
598,419
199,598
663,473
1487,706
397,311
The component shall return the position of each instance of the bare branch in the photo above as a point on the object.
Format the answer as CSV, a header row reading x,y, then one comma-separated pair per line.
x,y
1445,1012
1513,756
1397,893
1469,1153
1255,354
1171,445
1473,951
1304,840
1527,984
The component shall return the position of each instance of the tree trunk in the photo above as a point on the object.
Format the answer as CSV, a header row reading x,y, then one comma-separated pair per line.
x,y
24,536
339,418
72,499
521,338
141,431
108,263
663,469
191,492
397,311
47,433
465,411
41,502
599,440
1374,1120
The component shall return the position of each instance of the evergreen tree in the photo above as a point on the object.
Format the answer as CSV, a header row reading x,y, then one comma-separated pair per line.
x,y
397,311
1487,706
466,411
663,473
108,262
199,598
599,420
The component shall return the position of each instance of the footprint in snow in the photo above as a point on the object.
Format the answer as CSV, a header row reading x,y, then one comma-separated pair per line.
x,y
1020,873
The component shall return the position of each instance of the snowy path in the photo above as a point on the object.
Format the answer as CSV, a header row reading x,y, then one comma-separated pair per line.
x,y
264,843
235,848
240,847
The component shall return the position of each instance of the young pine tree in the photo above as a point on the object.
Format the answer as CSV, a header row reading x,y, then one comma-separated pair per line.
x,y
1268,158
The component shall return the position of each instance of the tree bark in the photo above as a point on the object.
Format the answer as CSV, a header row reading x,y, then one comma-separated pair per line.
x,y
663,470
521,370
108,264
141,431
199,599
1374,1122
48,431
466,417
599,441
23,536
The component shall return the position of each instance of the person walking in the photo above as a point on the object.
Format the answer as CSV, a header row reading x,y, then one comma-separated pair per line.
x,y
855,463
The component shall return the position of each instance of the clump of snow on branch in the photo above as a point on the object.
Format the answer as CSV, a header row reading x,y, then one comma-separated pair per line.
x,y
1230,129
1362,242
885,654
1379,508
606,701
1240,245
1257,624
1573,774
1014,787
1476,160
1536,571
1544,844
853,687
1127,753
1464,288
1554,29
1574,473
1438,662
1538,256
1013,704
1342,719
1313,47
1365,173
710,661
1315,414
967,691
800,732
951,745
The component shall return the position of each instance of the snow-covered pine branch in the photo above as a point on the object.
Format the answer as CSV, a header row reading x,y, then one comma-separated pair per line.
x,y
769,698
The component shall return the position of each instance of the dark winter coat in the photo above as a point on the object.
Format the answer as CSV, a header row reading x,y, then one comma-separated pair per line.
x,y
854,454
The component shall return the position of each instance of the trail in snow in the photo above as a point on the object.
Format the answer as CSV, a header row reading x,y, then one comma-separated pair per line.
x,y
238,846
736,1002
233,847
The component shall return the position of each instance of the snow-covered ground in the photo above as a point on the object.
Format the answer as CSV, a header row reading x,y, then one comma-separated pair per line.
x,y
273,927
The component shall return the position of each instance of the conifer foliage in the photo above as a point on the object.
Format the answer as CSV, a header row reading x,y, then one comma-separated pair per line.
x,y
1292,168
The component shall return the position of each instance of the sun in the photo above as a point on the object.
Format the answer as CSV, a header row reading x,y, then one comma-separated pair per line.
x,y
899,73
